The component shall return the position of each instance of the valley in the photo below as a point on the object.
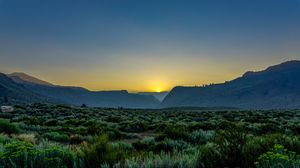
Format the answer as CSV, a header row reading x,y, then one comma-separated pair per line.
x,y
63,136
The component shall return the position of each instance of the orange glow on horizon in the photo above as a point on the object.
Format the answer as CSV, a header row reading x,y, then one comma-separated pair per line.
x,y
158,86
142,77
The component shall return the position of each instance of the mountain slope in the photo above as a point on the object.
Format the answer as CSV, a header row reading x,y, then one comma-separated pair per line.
x,y
276,87
20,77
17,93
78,96
158,95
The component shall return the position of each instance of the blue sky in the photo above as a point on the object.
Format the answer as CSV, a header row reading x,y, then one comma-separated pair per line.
x,y
146,44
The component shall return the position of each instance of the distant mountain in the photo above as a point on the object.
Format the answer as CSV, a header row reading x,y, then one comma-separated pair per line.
x,y
26,89
78,96
17,93
276,87
20,77
158,95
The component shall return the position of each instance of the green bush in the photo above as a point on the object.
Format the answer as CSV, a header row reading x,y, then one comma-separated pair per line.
x,y
101,152
174,132
169,145
94,129
201,136
51,122
76,139
113,134
46,155
278,157
4,139
137,126
142,145
210,156
231,143
8,128
55,136
164,160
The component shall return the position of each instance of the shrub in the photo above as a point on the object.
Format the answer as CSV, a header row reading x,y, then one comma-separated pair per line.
x,y
94,129
76,139
4,139
266,128
45,155
137,126
101,152
166,160
257,145
113,134
15,154
206,126
278,157
142,145
122,145
54,155
231,143
52,122
174,132
210,156
55,136
169,145
201,136
26,137
32,121
9,128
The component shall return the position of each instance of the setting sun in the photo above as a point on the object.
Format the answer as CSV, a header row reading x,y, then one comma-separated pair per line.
x,y
158,90
158,86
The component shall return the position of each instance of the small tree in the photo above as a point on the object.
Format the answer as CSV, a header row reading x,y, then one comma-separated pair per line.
x,y
83,106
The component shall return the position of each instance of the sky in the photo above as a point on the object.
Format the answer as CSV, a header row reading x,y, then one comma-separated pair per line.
x,y
146,45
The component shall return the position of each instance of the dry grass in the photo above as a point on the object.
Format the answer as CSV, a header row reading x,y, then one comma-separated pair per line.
x,y
26,137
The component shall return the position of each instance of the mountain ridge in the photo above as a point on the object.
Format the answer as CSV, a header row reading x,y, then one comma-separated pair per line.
x,y
43,91
277,86
21,77
17,93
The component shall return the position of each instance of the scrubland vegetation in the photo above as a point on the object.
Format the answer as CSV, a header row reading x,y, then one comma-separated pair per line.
x,y
41,135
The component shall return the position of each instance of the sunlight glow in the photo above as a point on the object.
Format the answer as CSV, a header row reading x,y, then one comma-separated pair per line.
x,y
158,86
158,90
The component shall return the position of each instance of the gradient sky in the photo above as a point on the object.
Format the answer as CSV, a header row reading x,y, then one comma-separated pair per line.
x,y
146,45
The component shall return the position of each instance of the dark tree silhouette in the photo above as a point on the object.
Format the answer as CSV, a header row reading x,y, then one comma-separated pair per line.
x,y
83,106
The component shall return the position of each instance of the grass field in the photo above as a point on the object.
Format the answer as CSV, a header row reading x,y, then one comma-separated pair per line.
x,y
42,135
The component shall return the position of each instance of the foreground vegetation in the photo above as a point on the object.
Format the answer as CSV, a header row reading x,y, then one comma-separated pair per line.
x,y
41,135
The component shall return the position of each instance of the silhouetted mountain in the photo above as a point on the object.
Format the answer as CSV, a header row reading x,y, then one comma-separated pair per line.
x,y
20,77
17,93
77,95
276,87
158,95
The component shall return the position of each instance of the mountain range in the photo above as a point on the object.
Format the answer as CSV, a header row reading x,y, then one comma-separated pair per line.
x,y
275,87
22,88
